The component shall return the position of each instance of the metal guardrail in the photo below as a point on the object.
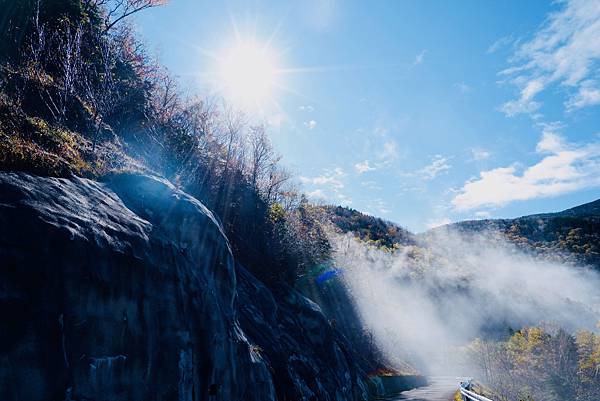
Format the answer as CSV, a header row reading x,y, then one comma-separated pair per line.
x,y
468,395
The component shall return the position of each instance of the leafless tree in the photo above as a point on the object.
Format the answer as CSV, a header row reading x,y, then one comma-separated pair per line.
x,y
166,98
275,185
115,11
261,155
69,62
37,60
202,118
99,87
231,137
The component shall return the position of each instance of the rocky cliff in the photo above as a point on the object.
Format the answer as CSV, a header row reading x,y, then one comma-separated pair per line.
x,y
127,290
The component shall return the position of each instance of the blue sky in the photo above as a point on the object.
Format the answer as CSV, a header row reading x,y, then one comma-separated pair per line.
x,y
420,112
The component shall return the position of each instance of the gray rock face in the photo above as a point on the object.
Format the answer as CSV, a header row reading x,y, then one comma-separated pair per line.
x,y
310,359
118,291
126,290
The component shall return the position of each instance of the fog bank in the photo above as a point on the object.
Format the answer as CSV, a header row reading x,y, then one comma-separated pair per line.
x,y
421,301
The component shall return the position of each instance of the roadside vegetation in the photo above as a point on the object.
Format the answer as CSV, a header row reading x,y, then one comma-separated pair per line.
x,y
541,363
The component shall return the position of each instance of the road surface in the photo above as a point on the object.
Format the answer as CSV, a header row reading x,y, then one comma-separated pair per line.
x,y
440,388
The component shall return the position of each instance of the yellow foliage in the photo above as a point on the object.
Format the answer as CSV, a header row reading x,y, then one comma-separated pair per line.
x,y
276,212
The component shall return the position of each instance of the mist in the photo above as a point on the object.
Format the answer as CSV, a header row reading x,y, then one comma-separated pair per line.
x,y
422,303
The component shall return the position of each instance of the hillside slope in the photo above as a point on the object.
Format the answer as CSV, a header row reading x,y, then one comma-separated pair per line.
x,y
571,236
373,230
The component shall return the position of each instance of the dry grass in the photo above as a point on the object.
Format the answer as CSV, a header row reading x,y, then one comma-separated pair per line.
x,y
33,145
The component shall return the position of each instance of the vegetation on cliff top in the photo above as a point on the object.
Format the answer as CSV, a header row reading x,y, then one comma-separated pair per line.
x,y
79,94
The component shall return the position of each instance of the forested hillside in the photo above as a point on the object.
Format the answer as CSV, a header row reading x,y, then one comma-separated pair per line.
x,y
81,95
370,229
572,235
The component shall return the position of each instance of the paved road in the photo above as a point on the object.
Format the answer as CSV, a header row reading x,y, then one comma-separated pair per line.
x,y
440,388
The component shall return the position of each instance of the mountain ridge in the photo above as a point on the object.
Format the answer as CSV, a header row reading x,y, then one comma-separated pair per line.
x,y
584,210
569,236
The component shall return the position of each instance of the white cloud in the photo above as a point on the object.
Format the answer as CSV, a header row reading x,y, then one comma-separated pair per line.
x,y
331,178
378,204
514,107
525,103
331,183
363,167
588,95
565,167
499,44
307,108
564,51
479,154
438,165
389,151
419,58
343,199
316,194
371,185
310,124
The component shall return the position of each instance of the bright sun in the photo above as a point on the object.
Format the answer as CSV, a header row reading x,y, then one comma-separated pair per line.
x,y
247,74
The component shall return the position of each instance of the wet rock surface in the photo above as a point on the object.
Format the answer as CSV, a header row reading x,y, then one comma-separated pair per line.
x,y
120,290
311,360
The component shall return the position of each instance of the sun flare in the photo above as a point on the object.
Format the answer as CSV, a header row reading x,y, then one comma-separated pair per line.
x,y
247,73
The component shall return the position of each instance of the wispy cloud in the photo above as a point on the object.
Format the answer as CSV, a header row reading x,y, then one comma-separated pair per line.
x,y
565,167
525,103
389,151
308,108
371,185
379,205
565,51
343,199
332,178
438,165
419,58
499,44
479,154
316,194
462,87
363,167
311,124
329,186
588,95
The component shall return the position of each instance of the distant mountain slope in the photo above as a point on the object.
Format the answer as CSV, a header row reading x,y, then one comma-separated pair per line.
x,y
587,209
572,235
368,228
